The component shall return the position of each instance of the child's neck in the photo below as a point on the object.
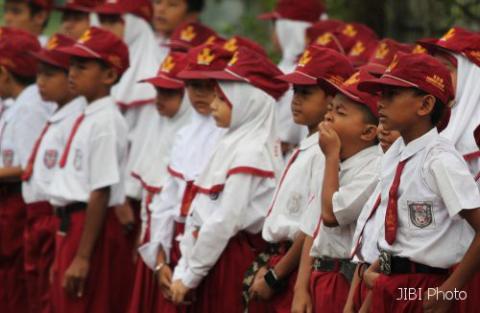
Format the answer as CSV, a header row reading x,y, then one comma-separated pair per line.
x,y
350,150
99,95
312,130
17,90
417,130
63,102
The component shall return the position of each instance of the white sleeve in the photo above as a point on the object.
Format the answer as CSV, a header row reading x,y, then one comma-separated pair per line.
x,y
311,217
104,167
221,226
350,198
449,176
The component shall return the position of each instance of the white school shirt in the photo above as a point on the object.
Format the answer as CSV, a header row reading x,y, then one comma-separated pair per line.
x,y
435,186
21,125
96,159
241,206
299,182
357,179
50,150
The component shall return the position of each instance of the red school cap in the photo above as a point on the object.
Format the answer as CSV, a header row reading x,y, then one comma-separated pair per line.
x,y
350,34
321,27
350,89
192,34
85,6
297,10
203,59
50,54
250,67
320,65
456,40
98,43
167,76
44,4
419,71
361,51
141,8
15,51
234,43
384,54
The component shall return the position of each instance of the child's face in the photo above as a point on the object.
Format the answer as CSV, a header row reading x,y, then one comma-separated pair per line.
x,y
17,14
168,14
89,78
74,23
309,105
221,111
386,137
169,101
451,67
5,89
113,23
52,83
201,93
348,120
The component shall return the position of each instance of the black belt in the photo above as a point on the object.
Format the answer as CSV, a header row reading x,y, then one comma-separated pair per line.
x,y
7,189
279,248
343,266
63,213
398,265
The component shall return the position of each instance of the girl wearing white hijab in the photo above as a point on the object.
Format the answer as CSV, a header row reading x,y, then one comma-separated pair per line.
x,y
222,234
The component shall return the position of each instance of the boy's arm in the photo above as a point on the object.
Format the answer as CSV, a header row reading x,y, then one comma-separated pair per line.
x,y
10,174
302,300
290,260
76,274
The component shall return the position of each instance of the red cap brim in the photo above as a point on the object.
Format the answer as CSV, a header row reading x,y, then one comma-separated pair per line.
x,y
269,16
110,9
80,51
46,59
164,82
74,7
193,75
223,75
374,68
376,85
298,78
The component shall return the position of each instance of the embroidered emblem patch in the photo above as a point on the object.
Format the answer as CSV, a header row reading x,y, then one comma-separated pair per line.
x,y
7,157
214,195
421,214
294,203
77,160
50,158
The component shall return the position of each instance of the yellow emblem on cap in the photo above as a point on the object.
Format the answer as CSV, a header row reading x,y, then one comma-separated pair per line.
x,y
448,35
335,79
381,51
357,49
324,39
436,81
231,45
419,50
167,65
52,43
355,78
305,59
210,40
87,35
234,59
392,65
188,34
349,30
205,57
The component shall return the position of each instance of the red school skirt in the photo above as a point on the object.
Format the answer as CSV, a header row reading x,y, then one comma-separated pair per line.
x,y
329,291
13,218
106,289
39,253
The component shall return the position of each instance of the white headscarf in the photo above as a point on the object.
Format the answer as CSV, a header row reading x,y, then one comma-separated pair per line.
x,y
151,166
250,144
144,62
465,115
291,36
194,146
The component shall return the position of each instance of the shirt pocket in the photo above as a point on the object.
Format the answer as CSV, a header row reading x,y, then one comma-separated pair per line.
x,y
422,214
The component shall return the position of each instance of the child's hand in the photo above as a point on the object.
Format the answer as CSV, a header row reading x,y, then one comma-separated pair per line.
x,y
75,277
370,276
260,289
328,140
164,277
302,302
178,291
435,303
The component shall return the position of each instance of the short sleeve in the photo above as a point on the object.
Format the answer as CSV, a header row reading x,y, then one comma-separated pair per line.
x,y
104,162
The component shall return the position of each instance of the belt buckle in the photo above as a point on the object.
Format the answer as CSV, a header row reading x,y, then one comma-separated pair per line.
x,y
385,262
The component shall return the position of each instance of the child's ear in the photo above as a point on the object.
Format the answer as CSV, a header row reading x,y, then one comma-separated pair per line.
x,y
110,76
369,132
427,106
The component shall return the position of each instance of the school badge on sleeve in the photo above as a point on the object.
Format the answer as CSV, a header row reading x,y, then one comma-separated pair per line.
x,y
78,159
421,214
7,157
50,158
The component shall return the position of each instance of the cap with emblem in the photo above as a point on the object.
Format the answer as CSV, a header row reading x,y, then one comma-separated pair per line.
x,y
321,27
383,55
79,5
236,42
350,34
203,59
97,43
361,51
457,40
420,71
50,53
250,67
167,76
297,10
141,8
44,4
320,66
192,34
15,51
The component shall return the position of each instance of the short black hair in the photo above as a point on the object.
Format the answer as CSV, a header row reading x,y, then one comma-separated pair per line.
x,y
34,9
23,80
438,109
368,116
195,5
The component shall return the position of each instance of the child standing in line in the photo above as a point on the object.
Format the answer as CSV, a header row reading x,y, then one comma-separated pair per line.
x,y
75,18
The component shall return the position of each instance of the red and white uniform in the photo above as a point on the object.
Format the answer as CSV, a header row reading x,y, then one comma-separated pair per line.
x,y
234,191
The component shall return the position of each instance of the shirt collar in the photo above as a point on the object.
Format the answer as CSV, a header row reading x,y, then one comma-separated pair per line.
x,y
73,107
354,160
309,141
418,144
99,105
